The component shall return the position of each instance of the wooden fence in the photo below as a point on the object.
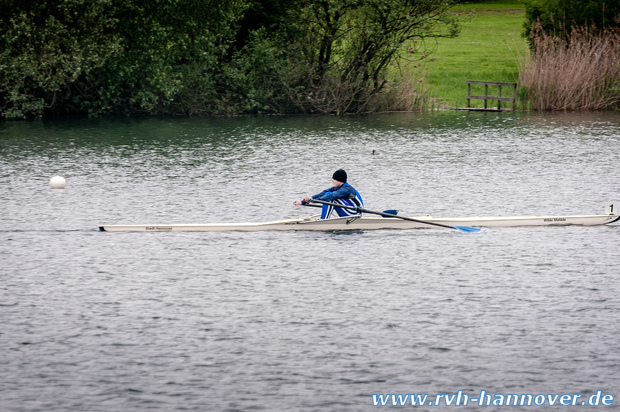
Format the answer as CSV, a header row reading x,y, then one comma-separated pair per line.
x,y
486,96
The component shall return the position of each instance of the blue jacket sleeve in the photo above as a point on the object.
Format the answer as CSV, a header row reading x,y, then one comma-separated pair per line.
x,y
323,193
343,192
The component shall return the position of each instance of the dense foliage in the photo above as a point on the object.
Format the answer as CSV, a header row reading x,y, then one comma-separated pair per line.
x,y
191,57
558,17
107,56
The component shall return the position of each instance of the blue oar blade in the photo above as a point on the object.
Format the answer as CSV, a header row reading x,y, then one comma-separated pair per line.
x,y
467,229
390,212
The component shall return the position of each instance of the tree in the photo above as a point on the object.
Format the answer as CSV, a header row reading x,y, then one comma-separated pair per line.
x,y
347,46
164,57
44,48
558,17
106,56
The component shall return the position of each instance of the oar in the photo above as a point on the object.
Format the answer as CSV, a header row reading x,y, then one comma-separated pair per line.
x,y
388,213
362,210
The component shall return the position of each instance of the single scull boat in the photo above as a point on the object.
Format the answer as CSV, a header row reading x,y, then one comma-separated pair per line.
x,y
368,223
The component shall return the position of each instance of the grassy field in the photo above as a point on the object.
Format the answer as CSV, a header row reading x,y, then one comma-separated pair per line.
x,y
487,49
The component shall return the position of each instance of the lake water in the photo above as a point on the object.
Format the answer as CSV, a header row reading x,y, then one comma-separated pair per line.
x,y
305,321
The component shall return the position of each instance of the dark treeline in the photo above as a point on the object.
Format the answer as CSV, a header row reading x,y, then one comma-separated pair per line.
x,y
217,57
559,17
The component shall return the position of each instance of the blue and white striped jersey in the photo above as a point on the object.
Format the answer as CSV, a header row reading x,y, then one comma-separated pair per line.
x,y
345,195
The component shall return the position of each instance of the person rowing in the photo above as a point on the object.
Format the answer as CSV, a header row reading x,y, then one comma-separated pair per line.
x,y
341,193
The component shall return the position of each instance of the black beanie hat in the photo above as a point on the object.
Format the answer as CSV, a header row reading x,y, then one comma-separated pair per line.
x,y
340,175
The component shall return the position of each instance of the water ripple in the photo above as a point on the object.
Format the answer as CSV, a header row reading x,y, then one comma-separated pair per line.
x,y
303,321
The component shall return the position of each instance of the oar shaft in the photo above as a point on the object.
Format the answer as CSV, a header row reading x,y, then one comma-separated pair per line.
x,y
362,210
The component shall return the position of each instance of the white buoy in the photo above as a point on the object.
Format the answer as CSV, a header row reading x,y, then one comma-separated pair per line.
x,y
58,182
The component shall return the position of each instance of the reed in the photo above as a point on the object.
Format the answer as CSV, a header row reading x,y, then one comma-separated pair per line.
x,y
407,90
580,71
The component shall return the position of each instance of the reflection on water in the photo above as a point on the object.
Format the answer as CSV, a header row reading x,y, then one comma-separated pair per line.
x,y
303,321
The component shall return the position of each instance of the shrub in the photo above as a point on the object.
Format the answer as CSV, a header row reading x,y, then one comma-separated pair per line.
x,y
581,72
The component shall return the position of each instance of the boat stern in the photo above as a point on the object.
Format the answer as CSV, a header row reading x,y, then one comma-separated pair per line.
x,y
611,208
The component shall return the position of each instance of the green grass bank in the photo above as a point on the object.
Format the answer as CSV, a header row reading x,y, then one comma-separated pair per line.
x,y
487,49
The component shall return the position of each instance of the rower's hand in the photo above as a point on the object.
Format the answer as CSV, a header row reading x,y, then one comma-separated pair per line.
x,y
301,202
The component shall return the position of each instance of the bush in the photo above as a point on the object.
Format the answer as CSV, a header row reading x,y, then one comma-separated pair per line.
x,y
580,72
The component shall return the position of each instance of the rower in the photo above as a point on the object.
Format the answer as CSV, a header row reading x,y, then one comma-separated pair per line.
x,y
341,193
